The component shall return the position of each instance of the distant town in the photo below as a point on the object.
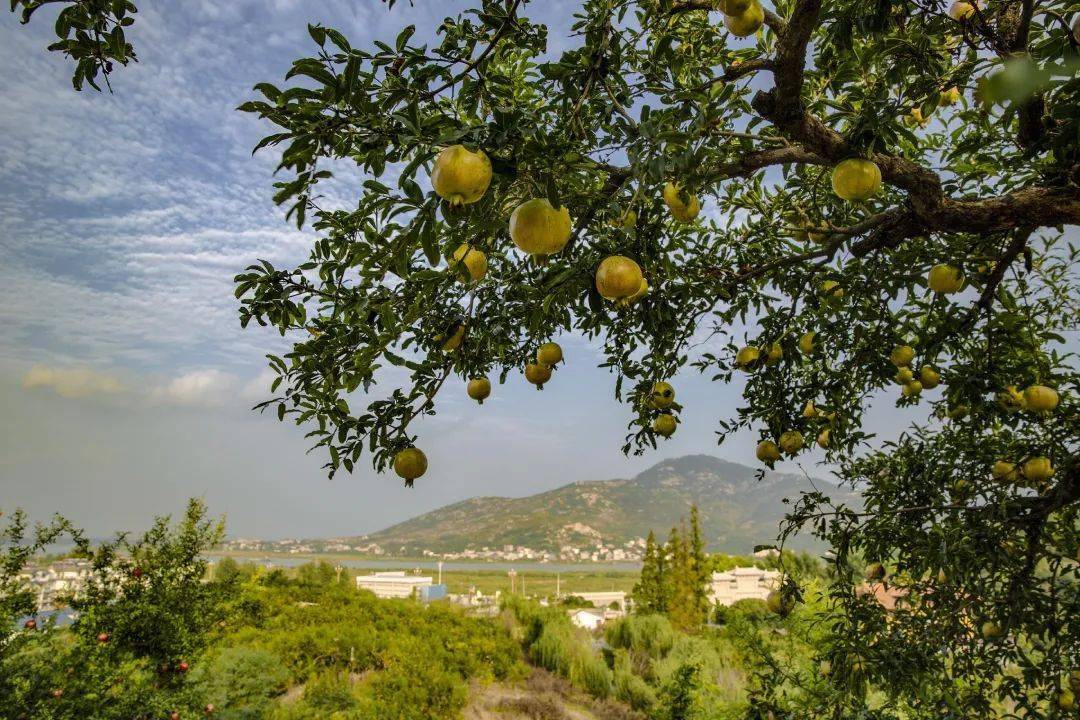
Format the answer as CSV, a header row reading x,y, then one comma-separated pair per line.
x,y
599,551
57,582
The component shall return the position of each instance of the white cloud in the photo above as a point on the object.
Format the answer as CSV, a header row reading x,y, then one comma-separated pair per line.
x,y
72,382
198,388
258,388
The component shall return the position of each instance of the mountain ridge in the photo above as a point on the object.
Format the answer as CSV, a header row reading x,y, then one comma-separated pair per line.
x,y
737,512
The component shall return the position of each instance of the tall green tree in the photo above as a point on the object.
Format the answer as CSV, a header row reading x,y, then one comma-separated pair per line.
x,y
683,610
700,568
650,593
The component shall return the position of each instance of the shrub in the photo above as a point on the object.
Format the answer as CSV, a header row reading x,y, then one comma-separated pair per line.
x,y
651,635
633,690
242,681
750,609
591,674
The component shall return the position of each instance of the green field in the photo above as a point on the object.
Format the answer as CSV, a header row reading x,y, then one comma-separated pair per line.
x,y
540,582
533,580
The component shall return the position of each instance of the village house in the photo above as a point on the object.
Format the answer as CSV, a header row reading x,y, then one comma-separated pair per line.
x,y
742,583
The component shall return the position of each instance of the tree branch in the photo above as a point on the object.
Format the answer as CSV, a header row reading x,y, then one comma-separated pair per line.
x,y
511,17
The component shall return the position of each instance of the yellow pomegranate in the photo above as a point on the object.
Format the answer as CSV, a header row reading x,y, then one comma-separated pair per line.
x,y
949,97
469,263
1003,470
767,451
618,277
1065,699
991,630
775,354
945,279
479,389
832,292
681,211
856,179
410,464
625,220
961,10
791,442
662,395
806,343
461,177
1011,400
537,374
824,437
902,355
452,343
915,117
550,353
538,228
746,23
664,425
642,291
904,376
1037,469
958,412
912,389
733,7
929,377
1039,398
747,357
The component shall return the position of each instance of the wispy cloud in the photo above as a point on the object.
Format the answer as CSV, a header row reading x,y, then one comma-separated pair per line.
x,y
203,387
206,388
72,382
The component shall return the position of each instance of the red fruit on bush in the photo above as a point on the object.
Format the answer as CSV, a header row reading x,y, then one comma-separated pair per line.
x,y
30,624
103,638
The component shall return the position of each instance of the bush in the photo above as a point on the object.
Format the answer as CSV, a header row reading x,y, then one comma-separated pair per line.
x,y
752,609
552,650
242,681
651,635
591,674
633,690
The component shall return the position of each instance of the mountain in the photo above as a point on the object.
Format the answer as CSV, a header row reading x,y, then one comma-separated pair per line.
x,y
737,511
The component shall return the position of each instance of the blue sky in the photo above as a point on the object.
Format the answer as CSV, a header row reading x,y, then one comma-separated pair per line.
x,y
125,379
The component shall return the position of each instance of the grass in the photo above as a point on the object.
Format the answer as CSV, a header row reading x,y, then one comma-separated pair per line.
x,y
539,582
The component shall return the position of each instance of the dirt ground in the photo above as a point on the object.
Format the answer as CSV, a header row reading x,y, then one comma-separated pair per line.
x,y
541,697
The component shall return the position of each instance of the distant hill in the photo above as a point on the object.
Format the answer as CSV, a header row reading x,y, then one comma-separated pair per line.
x,y
737,511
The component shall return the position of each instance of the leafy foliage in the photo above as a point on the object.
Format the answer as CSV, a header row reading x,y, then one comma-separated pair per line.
x,y
247,644
980,181
90,32
144,614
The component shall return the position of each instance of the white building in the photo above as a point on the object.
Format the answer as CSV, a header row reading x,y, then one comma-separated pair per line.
x,y
604,599
392,584
587,618
743,583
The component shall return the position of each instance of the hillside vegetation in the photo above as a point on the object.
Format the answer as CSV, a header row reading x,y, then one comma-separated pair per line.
x,y
737,510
